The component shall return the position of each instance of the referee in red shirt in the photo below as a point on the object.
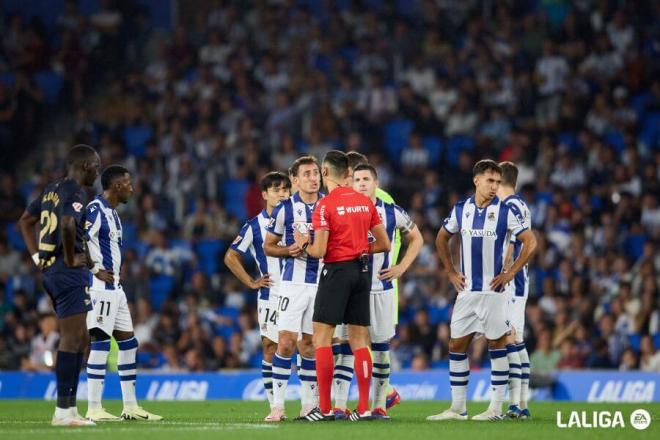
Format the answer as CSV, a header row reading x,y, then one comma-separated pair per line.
x,y
342,221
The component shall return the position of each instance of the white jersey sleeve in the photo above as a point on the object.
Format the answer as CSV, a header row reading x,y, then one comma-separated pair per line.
x,y
403,221
451,222
244,239
277,225
514,221
92,226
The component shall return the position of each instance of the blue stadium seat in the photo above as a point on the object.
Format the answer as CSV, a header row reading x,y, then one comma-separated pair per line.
x,y
634,246
208,252
160,287
234,191
136,138
397,133
14,237
457,144
650,131
50,83
433,145
615,140
569,140
635,341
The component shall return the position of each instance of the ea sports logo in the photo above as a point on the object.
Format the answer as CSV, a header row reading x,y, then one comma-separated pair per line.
x,y
640,419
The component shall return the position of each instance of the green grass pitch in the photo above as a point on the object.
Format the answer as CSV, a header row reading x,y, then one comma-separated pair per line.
x,y
244,420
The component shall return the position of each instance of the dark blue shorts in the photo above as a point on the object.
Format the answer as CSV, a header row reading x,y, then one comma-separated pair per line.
x,y
69,291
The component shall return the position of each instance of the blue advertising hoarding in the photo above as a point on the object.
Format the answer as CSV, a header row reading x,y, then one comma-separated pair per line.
x,y
584,386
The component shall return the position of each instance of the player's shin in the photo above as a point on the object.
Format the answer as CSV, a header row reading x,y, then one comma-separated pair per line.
x,y
309,390
96,366
281,375
499,378
126,364
459,376
267,377
66,374
343,374
381,373
525,369
514,374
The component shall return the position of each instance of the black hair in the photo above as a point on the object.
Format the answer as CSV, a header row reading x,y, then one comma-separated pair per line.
x,y
366,167
337,162
302,160
110,174
485,165
355,159
275,179
80,154
509,173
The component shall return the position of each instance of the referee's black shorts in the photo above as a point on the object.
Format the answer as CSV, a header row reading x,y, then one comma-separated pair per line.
x,y
343,294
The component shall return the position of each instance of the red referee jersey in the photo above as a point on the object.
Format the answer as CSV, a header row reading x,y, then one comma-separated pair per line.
x,y
349,216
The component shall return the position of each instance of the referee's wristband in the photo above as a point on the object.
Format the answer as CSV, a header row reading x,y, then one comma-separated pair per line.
x,y
35,258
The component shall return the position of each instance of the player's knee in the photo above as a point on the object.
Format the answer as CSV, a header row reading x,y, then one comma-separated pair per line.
x,y
457,346
286,345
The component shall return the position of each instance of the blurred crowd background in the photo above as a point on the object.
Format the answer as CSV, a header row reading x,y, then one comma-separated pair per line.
x,y
200,98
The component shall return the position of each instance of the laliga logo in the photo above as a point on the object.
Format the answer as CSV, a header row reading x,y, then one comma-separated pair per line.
x,y
639,419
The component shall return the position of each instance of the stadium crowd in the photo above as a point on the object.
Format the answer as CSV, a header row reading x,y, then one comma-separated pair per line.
x,y
569,91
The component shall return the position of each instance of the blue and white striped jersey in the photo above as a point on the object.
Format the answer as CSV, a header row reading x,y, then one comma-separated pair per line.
x,y
289,214
251,239
393,218
103,234
485,233
520,208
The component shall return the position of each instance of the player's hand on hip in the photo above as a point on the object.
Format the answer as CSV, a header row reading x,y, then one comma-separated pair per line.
x,y
107,276
392,273
457,279
264,281
501,280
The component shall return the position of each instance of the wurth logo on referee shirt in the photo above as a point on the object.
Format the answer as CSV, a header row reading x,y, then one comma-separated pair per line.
x,y
341,210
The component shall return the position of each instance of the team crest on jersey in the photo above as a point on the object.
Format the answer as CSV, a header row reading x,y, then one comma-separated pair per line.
x,y
491,216
271,223
99,319
77,206
341,210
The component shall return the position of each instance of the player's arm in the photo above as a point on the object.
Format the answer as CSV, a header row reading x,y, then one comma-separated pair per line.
x,y
448,229
234,262
442,246
528,240
276,229
68,231
415,242
508,259
27,224
319,246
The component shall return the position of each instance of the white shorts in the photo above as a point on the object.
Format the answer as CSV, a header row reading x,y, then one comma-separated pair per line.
x,y
295,307
268,317
382,314
110,311
480,312
516,313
